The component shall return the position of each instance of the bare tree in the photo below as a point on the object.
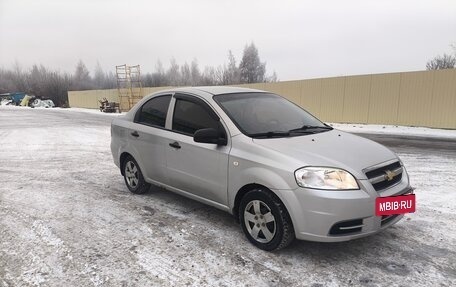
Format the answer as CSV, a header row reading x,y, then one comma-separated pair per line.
x,y
99,77
208,78
147,80
159,76
81,77
220,75
441,62
45,83
37,80
110,81
272,78
195,73
9,81
57,87
251,68
18,77
186,75
6,84
173,74
233,73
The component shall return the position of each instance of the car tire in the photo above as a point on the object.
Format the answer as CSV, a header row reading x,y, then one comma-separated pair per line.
x,y
133,176
265,220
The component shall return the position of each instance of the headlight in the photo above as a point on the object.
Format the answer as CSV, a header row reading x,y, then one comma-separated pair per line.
x,y
325,178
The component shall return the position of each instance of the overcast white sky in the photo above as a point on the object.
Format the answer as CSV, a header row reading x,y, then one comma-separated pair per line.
x,y
297,39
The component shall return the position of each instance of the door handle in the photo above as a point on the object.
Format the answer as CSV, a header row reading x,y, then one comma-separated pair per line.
x,y
135,134
175,145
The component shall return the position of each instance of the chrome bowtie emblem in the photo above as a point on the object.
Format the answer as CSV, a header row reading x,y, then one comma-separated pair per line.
x,y
389,175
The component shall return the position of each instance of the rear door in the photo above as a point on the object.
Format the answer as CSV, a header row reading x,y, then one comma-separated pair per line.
x,y
197,168
149,137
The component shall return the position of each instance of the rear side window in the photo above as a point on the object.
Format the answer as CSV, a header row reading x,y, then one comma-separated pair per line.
x,y
154,112
190,117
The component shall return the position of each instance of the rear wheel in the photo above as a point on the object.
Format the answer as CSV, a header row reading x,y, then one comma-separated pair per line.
x,y
133,176
265,220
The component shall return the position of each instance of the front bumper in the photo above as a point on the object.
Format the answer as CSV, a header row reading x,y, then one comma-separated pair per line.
x,y
331,216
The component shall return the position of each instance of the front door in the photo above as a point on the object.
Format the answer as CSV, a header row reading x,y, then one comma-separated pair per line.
x,y
198,168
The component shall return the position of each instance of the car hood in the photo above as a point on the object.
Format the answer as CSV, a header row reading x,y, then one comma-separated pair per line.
x,y
333,148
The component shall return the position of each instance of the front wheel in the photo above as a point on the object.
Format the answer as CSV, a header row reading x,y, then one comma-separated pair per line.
x,y
265,220
133,176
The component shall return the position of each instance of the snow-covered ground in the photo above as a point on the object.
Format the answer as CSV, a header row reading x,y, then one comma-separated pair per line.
x,y
64,110
353,128
67,219
396,130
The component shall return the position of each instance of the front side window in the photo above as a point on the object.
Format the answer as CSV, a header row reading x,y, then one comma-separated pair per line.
x,y
154,111
190,117
268,115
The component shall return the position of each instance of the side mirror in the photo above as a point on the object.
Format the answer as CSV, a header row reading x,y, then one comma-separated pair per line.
x,y
209,135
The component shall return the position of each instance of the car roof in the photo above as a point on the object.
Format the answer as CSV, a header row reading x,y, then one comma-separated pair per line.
x,y
205,92
216,90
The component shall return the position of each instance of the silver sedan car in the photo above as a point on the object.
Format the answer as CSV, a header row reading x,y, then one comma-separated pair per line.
x,y
279,170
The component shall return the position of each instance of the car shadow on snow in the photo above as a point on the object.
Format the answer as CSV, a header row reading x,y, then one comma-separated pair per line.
x,y
186,206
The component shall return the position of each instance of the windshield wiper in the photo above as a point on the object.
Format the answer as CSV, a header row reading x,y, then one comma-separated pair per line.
x,y
270,134
306,128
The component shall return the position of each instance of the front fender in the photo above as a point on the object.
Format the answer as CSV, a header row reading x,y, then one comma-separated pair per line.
x,y
267,178
240,176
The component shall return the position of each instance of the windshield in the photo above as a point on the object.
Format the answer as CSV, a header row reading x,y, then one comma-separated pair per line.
x,y
268,115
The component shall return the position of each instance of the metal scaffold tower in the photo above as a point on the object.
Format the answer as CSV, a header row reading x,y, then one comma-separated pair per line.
x,y
129,84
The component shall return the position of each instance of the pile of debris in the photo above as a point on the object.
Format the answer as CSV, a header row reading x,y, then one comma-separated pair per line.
x,y
37,103
12,98
22,99
6,102
109,107
34,102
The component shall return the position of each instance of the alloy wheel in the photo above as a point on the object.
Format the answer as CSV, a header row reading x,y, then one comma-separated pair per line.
x,y
131,174
259,221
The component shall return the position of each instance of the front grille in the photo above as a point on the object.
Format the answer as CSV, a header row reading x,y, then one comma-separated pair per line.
x,y
346,227
388,218
386,176
385,184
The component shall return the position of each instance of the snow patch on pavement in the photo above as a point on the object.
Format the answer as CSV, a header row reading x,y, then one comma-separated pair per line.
x,y
396,130
58,109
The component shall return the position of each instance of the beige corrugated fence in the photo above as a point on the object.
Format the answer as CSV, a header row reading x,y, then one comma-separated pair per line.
x,y
89,99
425,98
